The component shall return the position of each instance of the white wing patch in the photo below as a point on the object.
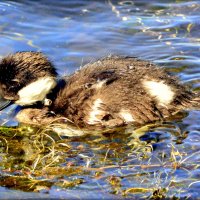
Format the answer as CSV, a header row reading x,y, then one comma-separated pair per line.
x,y
96,111
126,116
161,91
99,84
35,91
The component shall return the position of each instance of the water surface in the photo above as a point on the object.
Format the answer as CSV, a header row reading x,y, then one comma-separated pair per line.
x,y
74,32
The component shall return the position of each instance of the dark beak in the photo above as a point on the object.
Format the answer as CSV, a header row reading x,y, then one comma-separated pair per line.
x,y
4,103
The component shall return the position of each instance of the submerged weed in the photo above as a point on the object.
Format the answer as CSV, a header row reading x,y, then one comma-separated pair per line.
x,y
118,162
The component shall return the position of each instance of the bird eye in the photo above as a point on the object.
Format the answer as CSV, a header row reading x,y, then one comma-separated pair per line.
x,y
12,86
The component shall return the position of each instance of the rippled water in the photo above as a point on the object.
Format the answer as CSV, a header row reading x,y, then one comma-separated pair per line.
x,y
74,32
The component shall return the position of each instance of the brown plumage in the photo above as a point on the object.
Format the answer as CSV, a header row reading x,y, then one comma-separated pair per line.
x,y
113,91
122,90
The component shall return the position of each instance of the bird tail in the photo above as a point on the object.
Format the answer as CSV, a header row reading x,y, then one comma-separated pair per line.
x,y
195,102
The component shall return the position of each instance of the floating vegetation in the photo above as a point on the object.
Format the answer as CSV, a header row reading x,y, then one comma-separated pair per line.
x,y
123,161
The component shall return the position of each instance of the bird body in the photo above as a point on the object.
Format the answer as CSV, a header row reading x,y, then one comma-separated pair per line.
x,y
113,91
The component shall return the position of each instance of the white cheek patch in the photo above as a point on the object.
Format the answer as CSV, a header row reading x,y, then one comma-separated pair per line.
x,y
161,91
126,116
96,111
35,91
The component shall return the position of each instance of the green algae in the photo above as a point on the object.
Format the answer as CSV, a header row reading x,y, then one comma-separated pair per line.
x,y
123,162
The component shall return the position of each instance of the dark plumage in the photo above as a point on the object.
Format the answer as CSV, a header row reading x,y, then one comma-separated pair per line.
x,y
113,91
21,69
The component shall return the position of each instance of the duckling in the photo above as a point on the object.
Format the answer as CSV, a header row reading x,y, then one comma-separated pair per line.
x,y
113,91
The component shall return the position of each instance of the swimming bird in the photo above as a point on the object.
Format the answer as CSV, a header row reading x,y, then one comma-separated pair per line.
x,y
110,92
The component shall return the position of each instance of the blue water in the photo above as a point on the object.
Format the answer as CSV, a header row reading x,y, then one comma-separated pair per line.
x,y
74,32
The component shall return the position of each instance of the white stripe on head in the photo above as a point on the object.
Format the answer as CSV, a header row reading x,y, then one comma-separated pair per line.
x,y
163,93
35,91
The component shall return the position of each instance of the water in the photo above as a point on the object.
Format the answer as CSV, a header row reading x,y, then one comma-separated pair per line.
x,y
74,32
